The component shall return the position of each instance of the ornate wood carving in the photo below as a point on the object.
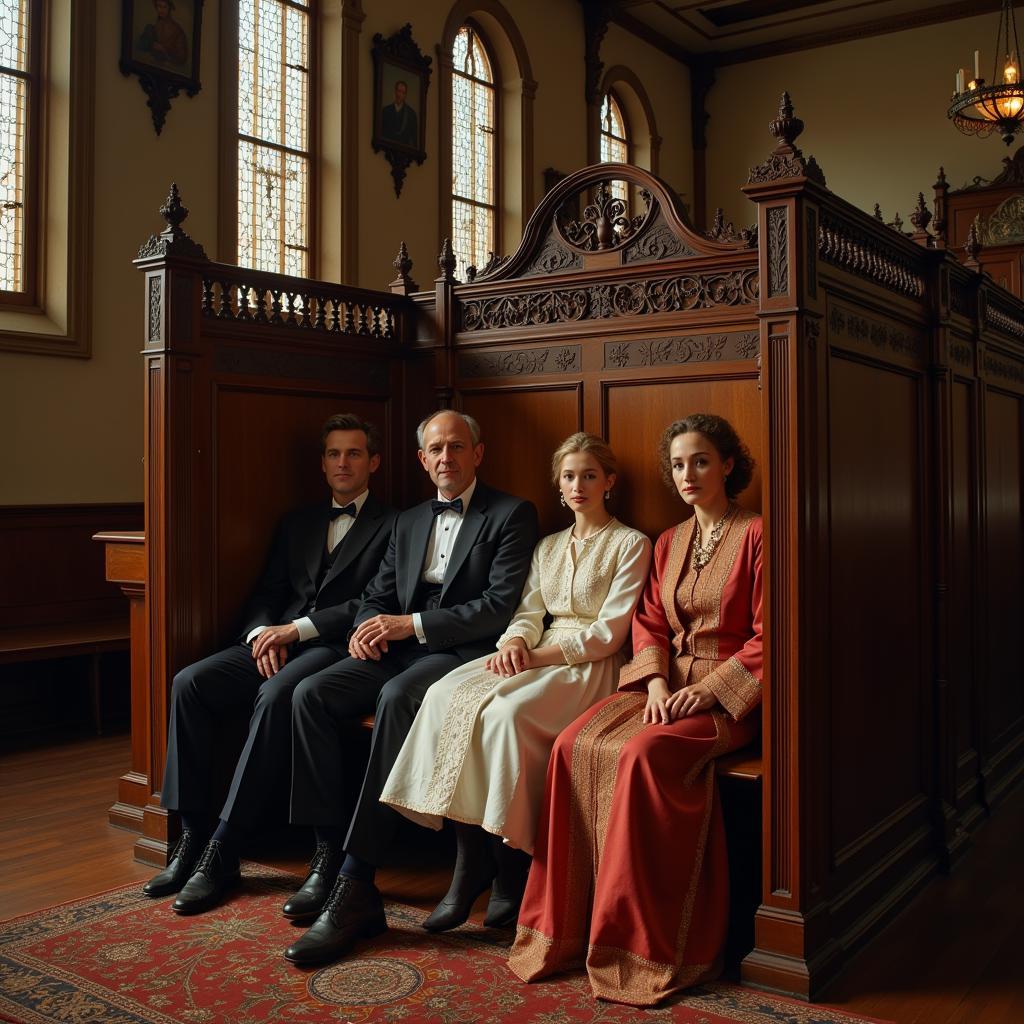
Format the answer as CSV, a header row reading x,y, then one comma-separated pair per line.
x,y
403,284
723,231
553,258
1002,319
1003,368
921,218
172,241
972,247
658,242
155,315
606,222
845,323
446,262
786,160
698,348
860,253
1005,226
778,251
960,353
520,362
493,263
600,302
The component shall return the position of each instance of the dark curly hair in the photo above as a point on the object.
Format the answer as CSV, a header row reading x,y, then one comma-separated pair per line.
x,y
727,443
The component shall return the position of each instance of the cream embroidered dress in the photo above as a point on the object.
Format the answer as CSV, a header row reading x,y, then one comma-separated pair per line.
x,y
479,746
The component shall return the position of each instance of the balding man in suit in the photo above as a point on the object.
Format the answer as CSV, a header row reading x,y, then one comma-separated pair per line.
x,y
447,588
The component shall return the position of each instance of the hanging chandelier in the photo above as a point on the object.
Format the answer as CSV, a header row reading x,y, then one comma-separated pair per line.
x,y
980,108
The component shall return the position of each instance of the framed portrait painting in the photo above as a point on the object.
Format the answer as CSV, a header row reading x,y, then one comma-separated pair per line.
x,y
401,75
160,42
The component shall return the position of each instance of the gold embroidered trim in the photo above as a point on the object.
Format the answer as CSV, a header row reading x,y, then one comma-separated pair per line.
x,y
736,687
641,981
534,955
651,661
678,550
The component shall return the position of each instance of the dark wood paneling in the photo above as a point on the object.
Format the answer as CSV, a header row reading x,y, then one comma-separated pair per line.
x,y
636,413
267,461
1005,569
50,569
521,426
878,682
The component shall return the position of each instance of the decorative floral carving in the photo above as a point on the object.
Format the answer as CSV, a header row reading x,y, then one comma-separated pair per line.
x,y
1006,224
778,251
659,242
878,333
606,301
155,311
960,353
553,258
172,241
606,222
519,362
858,252
1006,370
701,348
723,231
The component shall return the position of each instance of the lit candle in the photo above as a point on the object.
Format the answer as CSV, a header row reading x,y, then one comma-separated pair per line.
x,y
977,64
960,81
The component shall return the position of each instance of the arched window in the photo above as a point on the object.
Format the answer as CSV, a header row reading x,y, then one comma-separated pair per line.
x,y
614,139
20,105
474,159
274,135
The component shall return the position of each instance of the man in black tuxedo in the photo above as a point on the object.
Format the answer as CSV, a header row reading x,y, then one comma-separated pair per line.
x,y
296,623
446,589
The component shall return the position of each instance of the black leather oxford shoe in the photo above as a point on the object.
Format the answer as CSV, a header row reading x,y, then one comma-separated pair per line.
x,y
311,896
214,875
179,868
354,910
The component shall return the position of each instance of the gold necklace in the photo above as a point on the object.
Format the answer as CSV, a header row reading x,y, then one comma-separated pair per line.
x,y
702,552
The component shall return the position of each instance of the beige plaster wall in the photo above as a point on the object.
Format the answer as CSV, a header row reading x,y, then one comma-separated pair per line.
x,y
874,112
72,428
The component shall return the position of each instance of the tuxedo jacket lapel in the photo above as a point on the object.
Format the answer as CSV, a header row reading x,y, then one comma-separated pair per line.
x,y
419,538
355,540
472,523
316,542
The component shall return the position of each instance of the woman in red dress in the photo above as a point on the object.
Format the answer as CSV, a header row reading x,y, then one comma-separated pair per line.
x,y
630,876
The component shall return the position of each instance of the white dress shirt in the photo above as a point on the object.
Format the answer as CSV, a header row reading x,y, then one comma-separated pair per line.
x,y
337,530
440,546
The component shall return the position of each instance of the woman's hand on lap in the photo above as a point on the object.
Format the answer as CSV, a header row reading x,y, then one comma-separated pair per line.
x,y
656,710
691,700
513,658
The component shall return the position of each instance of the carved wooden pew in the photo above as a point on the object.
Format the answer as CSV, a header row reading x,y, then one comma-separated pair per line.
x,y
878,382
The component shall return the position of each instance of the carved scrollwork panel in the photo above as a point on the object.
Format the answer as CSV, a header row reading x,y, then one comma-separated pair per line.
x,y
657,242
845,324
521,362
1011,371
960,353
607,301
155,309
699,348
778,251
553,258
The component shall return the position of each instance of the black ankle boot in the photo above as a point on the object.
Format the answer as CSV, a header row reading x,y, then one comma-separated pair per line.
x,y
509,883
474,871
312,894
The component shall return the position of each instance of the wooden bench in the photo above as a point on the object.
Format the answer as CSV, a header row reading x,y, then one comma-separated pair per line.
x,y
40,642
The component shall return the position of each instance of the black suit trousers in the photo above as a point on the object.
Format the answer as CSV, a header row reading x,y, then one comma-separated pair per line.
x,y
210,692
392,689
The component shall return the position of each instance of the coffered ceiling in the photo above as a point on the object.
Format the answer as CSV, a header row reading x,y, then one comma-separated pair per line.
x,y
737,30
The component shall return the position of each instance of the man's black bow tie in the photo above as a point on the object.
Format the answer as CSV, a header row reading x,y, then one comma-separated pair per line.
x,y
346,510
437,507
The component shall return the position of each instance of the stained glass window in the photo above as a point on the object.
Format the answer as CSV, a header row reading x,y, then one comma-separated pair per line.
x,y
16,100
474,211
614,139
274,156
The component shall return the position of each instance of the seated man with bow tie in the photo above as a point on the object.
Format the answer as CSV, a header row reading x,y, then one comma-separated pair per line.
x,y
446,590
296,623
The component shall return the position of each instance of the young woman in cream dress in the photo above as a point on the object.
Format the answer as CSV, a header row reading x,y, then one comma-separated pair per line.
x,y
479,746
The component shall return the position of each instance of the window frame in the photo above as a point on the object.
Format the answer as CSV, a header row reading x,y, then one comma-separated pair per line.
x,y
627,133
231,137
29,298
497,155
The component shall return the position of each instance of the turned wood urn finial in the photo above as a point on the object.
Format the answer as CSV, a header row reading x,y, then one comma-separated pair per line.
x,y
786,160
403,284
920,218
446,261
172,241
878,213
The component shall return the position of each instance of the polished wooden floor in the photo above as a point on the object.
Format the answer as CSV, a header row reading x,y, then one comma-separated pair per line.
x,y
952,957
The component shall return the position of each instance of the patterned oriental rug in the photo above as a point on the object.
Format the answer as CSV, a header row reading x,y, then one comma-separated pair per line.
x,y
120,958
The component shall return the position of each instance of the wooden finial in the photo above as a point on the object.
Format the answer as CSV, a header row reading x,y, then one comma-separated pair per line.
x,y
446,261
403,284
172,241
920,218
878,213
972,247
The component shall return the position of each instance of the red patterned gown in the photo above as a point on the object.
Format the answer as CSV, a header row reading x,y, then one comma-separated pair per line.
x,y
630,875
